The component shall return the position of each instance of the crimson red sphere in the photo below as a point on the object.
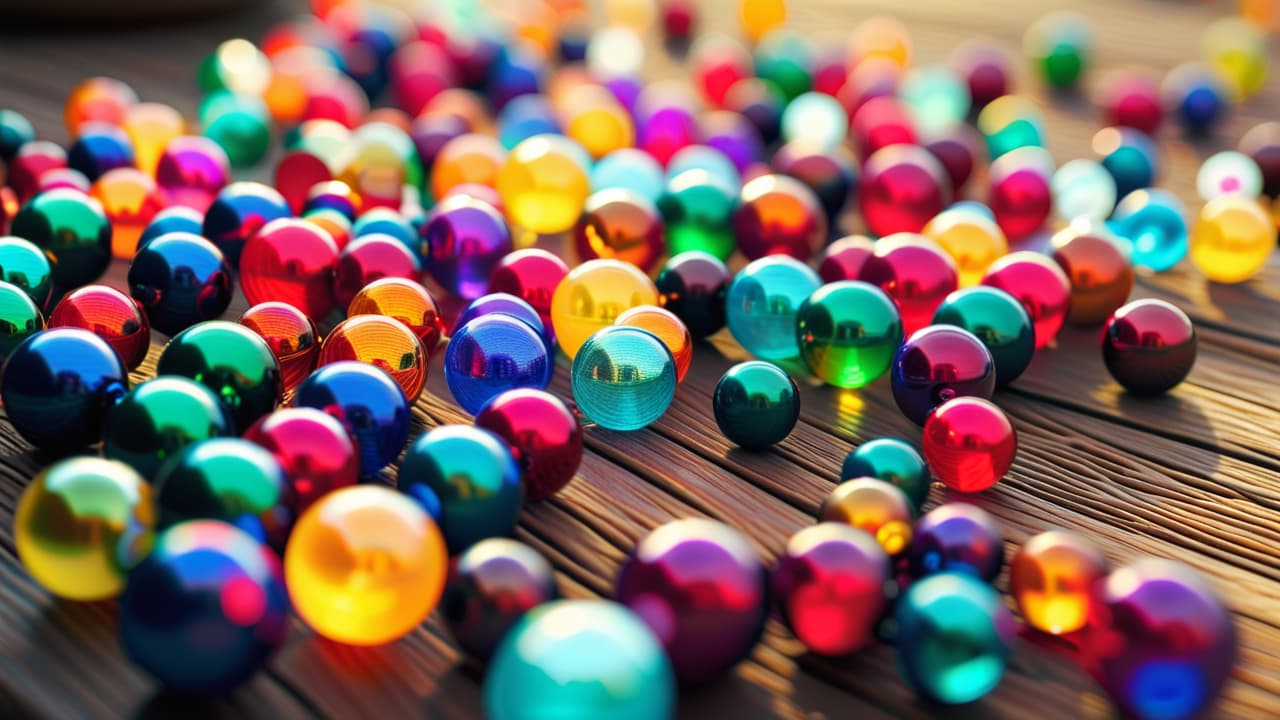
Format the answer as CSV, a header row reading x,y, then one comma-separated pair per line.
x,y
844,258
291,261
1039,284
368,258
313,448
915,272
109,314
903,187
969,443
544,435
1149,346
879,123
1132,100
531,274
1018,191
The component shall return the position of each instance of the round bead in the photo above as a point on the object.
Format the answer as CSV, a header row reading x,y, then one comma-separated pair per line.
x,y
99,148
1232,239
762,304
15,131
756,404
82,524
73,231
238,212
703,590
957,538
1098,269
960,149
999,320
291,336
1129,156
180,279
406,301
830,584
936,618
708,159
470,158
58,385
464,241
1236,47
779,215
383,343
972,240
291,261
592,296
1083,188
19,318
936,364
24,265
160,417
693,285
1052,577
1011,122
623,378
1149,346
1059,46
191,171
1019,192
1228,173
893,461
579,660
902,188
491,586
494,353
668,328
969,443
365,565
844,258
240,123
543,434
232,361
151,127
697,210
915,273
1197,96
130,198
369,404
847,332
1040,285
1131,99
986,68
175,218
507,304
761,17
369,258
879,509
880,121
623,225
544,183
312,448
630,169
531,274
830,174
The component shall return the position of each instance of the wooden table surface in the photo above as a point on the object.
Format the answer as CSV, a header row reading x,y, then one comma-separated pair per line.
x,y
1193,476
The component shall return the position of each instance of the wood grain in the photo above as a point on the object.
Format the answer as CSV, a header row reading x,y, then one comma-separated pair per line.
x,y
1193,476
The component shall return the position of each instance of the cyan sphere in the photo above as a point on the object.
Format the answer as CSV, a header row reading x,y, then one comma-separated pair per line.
x,y
630,169
368,403
893,461
624,378
160,417
580,660
954,635
762,302
1154,224
996,318
492,354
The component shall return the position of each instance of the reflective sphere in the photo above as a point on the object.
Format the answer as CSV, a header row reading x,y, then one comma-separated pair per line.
x,y
697,210
999,320
668,328
969,443
406,301
1099,272
365,565
19,318
506,304
369,258
180,279
703,590
531,274
99,148
291,336
543,435
592,296
238,212
1082,188
1151,221
915,273
82,524
1129,156
73,231
623,225
130,199
1040,285
291,261
579,660
1232,239
893,461
175,218
369,404
544,183
314,450
1228,173
973,241
756,404
623,378
628,168
383,343
109,314
762,305
490,587
937,364
693,285
1019,192
844,258
464,240
829,584
902,188
24,265
160,417
58,385
778,215
958,538
494,353
847,332
876,507
232,361
1262,143
1052,578
1149,346
191,171
29,165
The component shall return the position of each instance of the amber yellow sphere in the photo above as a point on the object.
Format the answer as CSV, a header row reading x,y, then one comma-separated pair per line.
x,y
1052,578
596,121
875,506
973,240
592,296
761,17
544,183
381,341
1232,239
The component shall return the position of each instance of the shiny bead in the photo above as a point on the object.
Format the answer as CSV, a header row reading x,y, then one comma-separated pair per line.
x,y
1011,122
592,296
876,507
705,158
893,461
335,195
969,443
291,261
1060,46
1151,221
365,565
579,660
1232,239
1052,577
237,214
847,332
622,225
544,436
915,273
957,538
1237,50
1098,268
226,479
1197,96
986,68
973,241
1040,285
368,402
19,318
777,214
1228,173
815,117
668,328
697,208
370,258
464,241
467,479
151,127
544,183
1160,641
936,364
831,174
1131,99
68,178
109,314
312,448
1082,188
490,587
997,319
629,169
531,274
130,199
665,121
844,258
387,222
902,188
693,285
180,279
192,171
58,385
784,59
736,137
232,361
15,131
756,404
703,590
960,150
240,123
760,17
175,218
1149,346
24,265
1129,156
73,231
291,336
1019,192
936,618
762,305
100,148
382,342
494,353
160,417
830,583
81,525
508,304
623,378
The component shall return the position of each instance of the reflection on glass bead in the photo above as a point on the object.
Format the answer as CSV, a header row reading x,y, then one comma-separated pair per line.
x,y
234,362
697,209
847,332
844,258
1262,143
1040,285
969,443
693,285
383,343
544,183
494,353
19,318
936,364
109,314
1097,266
406,301
464,240
756,404
369,258
191,171
291,336
777,214
762,304
623,225
312,448
368,403
98,148
876,507
1129,156
1232,239
505,303
175,218
592,296
957,538
291,261
238,212
531,274
160,417
180,279
543,434
913,271
999,320
668,328
1060,46
24,265
1228,173
631,169
902,188
130,199
490,587
893,461
1052,576
1019,192
973,241
1149,346
1152,222
1082,188
623,378
73,231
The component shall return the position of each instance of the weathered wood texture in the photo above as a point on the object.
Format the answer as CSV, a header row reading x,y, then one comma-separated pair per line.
x,y
1193,476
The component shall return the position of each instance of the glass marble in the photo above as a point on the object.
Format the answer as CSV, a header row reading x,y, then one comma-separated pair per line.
x,y
760,103
130,199
1196,96
158,418
999,321
491,354
777,214
969,443
703,590
15,131
880,37
180,279
815,117
1040,285
151,126
831,174
470,158
238,212
175,218
236,64
291,261
1237,49
580,660
622,225
847,332
665,126
508,304
291,336
592,296
756,404
629,169
234,362
1129,156
543,434
735,136
463,241
109,314
32,161
829,583
1083,188
762,305
530,115
902,188
1052,577
954,636
1149,346
704,157
938,363
1159,640
382,342
1232,239
668,328
1152,222
226,479
19,318
300,170
386,221
368,403
82,524
697,209
312,448
1011,122
878,508
1097,266
974,241
893,461
100,148
623,378
1130,98
25,266
879,122
73,231
693,285
1228,173
1262,143
1060,48
935,97
598,122
335,195
785,59
1019,192
240,123
957,537
490,587
369,258
63,178
843,259
365,565
915,273
761,17
961,150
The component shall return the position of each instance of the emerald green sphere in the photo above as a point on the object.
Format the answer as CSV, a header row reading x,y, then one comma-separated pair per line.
x,y
19,318
73,231
580,660
160,417
894,461
999,320
848,332
239,123
232,361
756,404
697,211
